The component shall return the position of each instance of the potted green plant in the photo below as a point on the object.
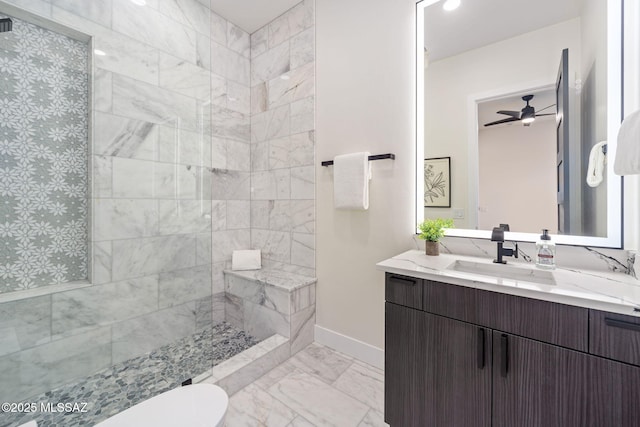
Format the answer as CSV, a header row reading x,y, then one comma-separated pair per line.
x,y
431,231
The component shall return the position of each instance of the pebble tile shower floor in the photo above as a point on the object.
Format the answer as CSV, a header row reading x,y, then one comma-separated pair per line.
x,y
121,386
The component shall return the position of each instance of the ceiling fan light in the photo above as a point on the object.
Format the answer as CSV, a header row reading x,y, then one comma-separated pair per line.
x,y
528,113
450,5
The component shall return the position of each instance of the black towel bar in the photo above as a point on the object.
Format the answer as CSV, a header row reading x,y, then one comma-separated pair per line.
x,y
376,157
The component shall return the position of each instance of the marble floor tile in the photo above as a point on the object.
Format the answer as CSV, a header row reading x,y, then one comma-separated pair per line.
x,y
373,419
322,362
354,399
363,383
275,375
300,422
253,406
317,401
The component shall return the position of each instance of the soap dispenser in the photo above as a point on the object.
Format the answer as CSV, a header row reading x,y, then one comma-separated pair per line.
x,y
545,251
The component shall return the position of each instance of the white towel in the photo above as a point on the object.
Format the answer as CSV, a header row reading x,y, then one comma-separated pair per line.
x,y
246,260
597,160
351,175
628,149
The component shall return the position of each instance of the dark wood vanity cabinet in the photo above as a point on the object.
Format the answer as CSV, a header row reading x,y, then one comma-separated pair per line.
x,y
477,358
615,336
537,384
428,380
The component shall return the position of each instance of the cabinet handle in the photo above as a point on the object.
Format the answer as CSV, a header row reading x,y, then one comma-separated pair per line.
x,y
402,279
622,324
504,350
481,342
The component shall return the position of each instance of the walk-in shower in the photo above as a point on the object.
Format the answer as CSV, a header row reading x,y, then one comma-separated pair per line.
x,y
106,280
141,143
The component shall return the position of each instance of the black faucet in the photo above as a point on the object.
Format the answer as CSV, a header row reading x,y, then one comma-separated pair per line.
x,y
497,235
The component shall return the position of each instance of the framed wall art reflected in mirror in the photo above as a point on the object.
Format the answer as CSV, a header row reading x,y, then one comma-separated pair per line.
x,y
437,182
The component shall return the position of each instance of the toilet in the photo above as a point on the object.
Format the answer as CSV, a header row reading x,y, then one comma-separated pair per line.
x,y
197,405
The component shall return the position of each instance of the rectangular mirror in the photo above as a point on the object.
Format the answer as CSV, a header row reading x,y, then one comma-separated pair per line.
x,y
525,99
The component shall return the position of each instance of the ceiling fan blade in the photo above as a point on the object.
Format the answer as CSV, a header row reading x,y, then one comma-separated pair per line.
x,y
548,114
515,114
510,119
549,106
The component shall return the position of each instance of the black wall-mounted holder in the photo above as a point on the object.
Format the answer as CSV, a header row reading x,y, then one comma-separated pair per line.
x,y
376,157
6,24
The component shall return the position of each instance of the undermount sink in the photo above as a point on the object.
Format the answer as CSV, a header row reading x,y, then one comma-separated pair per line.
x,y
524,273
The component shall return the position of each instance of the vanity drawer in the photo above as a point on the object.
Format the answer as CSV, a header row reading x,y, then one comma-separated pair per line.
x,y
457,302
614,336
403,290
559,324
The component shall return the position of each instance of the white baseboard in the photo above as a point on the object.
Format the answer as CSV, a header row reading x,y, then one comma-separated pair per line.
x,y
350,346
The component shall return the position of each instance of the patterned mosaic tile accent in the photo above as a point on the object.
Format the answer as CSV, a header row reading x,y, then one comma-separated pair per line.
x,y
121,386
43,158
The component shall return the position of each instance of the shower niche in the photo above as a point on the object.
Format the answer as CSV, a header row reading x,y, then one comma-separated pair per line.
x,y
43,157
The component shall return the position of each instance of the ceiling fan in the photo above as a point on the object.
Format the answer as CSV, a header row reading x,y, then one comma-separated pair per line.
x,y
527,115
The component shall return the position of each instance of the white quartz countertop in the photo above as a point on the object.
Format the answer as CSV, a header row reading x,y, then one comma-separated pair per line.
x,y
614,292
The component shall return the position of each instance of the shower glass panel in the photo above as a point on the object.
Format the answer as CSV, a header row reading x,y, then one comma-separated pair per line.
x,y
105,205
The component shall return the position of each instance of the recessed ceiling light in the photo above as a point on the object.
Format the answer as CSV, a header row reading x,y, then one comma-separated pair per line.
x,y
139,2
99,52
451,5
285,77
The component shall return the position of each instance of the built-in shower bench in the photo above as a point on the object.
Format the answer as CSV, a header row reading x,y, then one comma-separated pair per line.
x,y
266,302
275,306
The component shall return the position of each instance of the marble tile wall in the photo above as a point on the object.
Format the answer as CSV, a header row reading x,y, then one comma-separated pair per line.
x,y
282,139
230,150
154,108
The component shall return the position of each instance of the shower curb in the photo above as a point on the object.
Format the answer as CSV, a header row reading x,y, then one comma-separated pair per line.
x,y
246,367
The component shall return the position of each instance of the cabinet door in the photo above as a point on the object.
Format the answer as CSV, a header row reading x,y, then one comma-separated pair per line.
x,y
458,374
537,384
437,370
615,393
405,346
403,290
614,336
